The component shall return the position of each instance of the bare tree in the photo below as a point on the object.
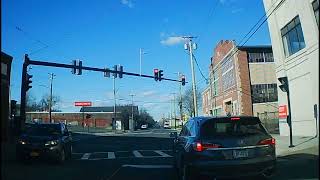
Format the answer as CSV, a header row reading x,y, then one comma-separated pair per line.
x,y
187,102
45,102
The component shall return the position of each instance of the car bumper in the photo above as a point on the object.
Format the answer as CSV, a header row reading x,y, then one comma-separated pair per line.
x,y
232,168
52,152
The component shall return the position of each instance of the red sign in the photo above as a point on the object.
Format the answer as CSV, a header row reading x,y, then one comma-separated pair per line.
x,y
283,112
86,103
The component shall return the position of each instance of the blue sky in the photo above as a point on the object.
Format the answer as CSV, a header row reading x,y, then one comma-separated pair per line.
x,y
105,33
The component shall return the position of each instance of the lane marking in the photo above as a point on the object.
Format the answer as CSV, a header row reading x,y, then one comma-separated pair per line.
x,y
148,166
137,154
162,154
111,155
77,153
86,156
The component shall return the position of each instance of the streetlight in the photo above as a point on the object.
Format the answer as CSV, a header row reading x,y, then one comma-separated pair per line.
x,y
141,53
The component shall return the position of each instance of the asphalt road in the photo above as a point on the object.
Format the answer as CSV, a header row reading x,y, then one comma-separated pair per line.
x,y
142,158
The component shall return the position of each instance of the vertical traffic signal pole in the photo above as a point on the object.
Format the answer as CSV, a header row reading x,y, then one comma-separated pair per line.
x,y
289,117
22,120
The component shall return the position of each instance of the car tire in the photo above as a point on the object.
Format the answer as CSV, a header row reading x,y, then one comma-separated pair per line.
x,y
186,173
62,156
70,152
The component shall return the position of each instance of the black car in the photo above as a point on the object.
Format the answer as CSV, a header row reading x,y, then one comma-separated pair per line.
x,y
224,147
47,141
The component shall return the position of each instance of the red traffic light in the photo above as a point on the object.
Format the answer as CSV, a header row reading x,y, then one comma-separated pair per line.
x,y
155,70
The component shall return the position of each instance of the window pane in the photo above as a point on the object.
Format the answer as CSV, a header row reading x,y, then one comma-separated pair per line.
x,y
300,37
285,45
294,42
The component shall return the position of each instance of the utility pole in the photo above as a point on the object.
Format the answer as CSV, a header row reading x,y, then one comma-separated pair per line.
x,y
131,112
114,106
174,110
211,92
180,102
50,102
141,53
189,46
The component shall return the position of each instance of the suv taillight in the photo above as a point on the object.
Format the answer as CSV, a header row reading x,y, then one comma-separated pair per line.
x,y
270,141
198,146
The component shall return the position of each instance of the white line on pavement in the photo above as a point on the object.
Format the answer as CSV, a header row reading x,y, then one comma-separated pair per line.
x,y
137,154
86,156
111,155
149,166
162,154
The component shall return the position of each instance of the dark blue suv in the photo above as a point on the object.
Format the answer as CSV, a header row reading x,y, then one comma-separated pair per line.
x,y
224,147
46,141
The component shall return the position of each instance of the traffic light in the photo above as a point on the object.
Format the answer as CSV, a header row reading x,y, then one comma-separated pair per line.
x,y
120,71
74,68
160,74
106,72
13,108
115,68
28,82
80,68
156,74
183,80
284,84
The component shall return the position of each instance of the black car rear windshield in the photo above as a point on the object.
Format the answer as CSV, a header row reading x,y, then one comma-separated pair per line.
x,y
43,130
228,127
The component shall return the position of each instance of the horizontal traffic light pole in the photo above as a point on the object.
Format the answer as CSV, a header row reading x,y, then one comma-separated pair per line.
x,y
51,64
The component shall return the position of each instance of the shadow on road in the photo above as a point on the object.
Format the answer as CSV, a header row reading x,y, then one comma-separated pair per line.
x,y
298,166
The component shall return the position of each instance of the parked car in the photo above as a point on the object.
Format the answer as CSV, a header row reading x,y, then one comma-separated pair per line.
x,y
166,125
144,126
224,147
47,141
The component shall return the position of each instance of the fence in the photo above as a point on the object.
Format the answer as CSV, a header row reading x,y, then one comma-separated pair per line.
x,y
270,121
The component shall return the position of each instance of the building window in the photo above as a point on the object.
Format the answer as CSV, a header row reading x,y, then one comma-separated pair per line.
x,y
292,37
257,57
264,93
315,6
215,83
228,78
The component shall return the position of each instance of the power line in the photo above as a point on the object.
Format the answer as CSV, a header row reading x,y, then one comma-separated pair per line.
x,y
199,67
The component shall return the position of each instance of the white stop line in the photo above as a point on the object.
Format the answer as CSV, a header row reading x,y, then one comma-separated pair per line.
x,y
148,166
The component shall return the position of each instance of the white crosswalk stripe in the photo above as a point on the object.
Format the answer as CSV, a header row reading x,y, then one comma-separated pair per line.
x,y
113,155
162,154
137,154
86,156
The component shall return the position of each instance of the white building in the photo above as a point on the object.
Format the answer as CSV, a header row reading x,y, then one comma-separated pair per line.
x,y
294,32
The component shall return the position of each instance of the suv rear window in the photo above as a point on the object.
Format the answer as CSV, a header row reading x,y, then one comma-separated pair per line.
x,y
227,127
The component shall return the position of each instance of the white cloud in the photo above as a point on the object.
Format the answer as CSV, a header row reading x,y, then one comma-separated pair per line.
x,y
148,93
173,40
127,3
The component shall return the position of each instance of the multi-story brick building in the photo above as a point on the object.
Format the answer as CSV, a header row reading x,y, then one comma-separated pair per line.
x,y
243,81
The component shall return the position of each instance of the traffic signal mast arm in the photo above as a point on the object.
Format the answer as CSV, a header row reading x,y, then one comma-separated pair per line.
x,y
51,64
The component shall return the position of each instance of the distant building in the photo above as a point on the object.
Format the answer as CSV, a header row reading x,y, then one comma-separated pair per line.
x,y
5,95
243,82
294,32
90,116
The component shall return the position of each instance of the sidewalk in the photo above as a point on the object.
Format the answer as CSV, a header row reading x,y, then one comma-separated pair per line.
x,y
300,143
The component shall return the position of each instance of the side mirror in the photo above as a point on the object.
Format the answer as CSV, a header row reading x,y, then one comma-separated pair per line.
x,y
174,135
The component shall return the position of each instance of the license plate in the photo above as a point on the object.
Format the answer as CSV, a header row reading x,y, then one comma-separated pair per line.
x,y
240,153
34,154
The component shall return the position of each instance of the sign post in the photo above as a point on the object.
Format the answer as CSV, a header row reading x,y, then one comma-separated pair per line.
x,y
83,104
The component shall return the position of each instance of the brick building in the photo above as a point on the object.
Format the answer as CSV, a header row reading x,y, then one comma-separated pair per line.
x,y
243,81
